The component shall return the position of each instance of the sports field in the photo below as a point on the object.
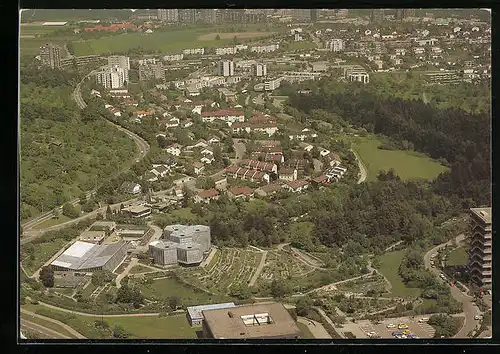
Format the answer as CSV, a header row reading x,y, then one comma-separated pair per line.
x,y
407,164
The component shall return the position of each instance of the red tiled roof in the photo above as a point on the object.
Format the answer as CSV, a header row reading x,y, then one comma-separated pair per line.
x,y
271,187
297,184
232,169
320,179
208,193
241,190
258,165
286,171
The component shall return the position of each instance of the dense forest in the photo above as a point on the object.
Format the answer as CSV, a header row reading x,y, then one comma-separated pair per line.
x,y
456,137
62,152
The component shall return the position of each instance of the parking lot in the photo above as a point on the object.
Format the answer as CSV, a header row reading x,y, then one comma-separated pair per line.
x,y
365,327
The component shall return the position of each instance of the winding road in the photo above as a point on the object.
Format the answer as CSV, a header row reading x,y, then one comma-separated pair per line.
x,y
140,142
469,308
362,168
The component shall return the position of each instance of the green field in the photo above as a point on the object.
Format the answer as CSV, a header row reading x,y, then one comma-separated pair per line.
x,y
140,269
154,327
43,252
305,331
457,257
164,288
162,41
389,265
408,165
47,324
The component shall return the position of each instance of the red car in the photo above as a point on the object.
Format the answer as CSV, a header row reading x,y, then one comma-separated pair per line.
x,y
451,283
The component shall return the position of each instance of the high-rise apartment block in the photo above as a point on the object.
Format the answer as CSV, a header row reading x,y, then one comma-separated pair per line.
x,y
121,62
50,55
335,45
208,16
301,15
260,69
226,68
480,266
187,15
151,71
111,77
168,15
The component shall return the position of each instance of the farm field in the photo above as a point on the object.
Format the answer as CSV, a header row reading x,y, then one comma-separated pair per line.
x,y
389,265
408,165
159,41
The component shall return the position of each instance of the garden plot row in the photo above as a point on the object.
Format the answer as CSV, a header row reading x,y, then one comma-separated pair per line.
x,y
375,283
281,265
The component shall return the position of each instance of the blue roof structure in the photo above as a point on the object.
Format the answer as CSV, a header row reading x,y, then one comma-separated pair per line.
x,y
195,312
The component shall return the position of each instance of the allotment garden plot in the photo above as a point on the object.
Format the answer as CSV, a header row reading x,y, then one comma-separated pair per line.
x,y
282,265
233,267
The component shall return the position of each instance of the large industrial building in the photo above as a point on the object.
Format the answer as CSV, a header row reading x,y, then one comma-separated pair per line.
x,y
256,321
480,266
181,244
89,257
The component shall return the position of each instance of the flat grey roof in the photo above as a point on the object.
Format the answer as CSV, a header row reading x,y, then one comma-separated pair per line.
x,y
83,255
482,213
225,323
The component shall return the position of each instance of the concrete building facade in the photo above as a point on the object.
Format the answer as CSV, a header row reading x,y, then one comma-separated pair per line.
x,y
260,69
480,255
112,77
226,68
335,45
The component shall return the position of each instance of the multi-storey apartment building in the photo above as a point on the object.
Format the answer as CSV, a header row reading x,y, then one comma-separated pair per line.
x,y
480,247
302,14
151,71
226,68
187,15
112,77
260,69
208,16
335,45
50,55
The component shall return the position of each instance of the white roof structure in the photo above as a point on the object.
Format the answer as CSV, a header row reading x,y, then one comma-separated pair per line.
x,y
54,23
195,312
78,249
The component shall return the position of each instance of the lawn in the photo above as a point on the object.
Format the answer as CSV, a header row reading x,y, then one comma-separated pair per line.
x,y
43,252
164,288
389,265
154,327
408,165
139,269
457,257
305,331
170,41
47,324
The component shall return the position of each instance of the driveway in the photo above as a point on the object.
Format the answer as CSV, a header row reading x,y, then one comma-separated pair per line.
x,y
133,262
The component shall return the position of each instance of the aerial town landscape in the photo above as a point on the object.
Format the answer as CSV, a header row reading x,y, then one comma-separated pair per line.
x,y
255,173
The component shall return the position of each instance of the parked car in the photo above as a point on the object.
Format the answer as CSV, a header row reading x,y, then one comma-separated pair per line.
x,y
451,283
397,333
391,325
478,317
423,319
403,326
406,332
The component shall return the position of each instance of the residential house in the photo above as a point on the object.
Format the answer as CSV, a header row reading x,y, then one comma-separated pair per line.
x,y
201,143
297,186
229,96
142,114
95,93
287,174
221,183
259,166
187,123
206,196
198,167
268,189
214,140
267,128
208,159
247,174
174,149
303,135
226,115
307,147
241,193
207,151
336,172
267,157
323,152
131,188
173,122
331,159
320,180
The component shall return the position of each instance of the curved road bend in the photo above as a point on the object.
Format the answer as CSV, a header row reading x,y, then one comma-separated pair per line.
x,y
469,308
140,142
362,168
59,323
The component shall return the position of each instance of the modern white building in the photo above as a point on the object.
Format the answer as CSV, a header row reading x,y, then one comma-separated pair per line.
x,y
194,51
260,69
265,48
173,57
226,51
226,68
121,62
112,77
272,85
168,15
335,45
